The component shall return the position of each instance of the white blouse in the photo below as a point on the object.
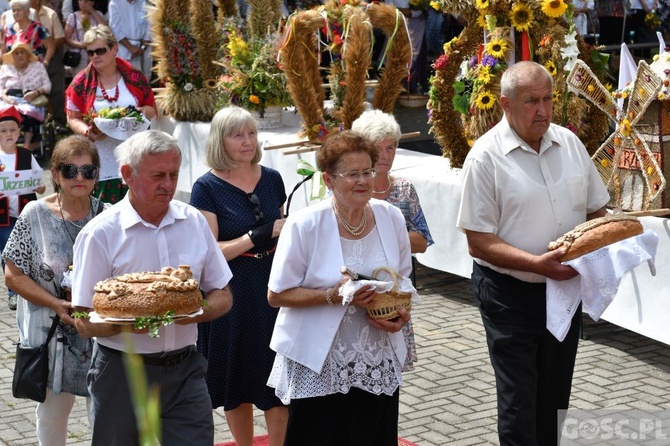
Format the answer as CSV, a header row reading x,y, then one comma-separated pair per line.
x,y
361,356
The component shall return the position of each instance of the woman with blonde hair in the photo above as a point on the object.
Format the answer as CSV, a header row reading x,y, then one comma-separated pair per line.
x,y
243,204
107,81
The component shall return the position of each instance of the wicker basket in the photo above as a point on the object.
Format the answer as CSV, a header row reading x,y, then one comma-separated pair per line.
x,y
385,305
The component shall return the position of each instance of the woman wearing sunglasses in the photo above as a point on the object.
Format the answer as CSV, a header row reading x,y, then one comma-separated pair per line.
x,y
107,81
339,370
243,204
38,254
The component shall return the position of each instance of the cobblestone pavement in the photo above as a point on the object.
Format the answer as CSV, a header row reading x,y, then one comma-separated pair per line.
x,y
450,398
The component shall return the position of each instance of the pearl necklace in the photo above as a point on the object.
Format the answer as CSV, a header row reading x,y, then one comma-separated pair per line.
x,y
356,231
388,177
104,92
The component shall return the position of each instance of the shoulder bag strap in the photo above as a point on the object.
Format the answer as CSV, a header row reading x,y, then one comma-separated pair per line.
x,y
76,30
290,196
100,208
53,329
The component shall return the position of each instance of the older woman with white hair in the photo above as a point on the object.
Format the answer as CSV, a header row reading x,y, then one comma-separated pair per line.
x,y
383,130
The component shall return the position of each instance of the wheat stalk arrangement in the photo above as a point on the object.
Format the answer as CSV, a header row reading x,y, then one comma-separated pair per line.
x,y
445,120
225,9
208,40
357,58
300,63
264,16
399,56
186,42
163,13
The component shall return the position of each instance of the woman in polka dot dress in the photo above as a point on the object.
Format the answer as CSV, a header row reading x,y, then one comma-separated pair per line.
x,y
242,201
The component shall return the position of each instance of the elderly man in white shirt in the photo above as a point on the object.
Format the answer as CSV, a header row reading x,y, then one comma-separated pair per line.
x,y
526,182
145,232
129,23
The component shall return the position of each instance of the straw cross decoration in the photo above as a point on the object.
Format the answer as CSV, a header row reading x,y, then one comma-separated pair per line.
x,y
625,138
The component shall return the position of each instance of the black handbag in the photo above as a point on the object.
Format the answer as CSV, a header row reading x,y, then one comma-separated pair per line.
x,y
31,370
71,58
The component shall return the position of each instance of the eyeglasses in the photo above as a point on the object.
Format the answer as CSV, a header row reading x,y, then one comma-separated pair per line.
x,y
97,51
256,203
70,171
354,175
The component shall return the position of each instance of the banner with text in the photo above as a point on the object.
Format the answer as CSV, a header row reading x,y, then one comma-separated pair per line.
x,y
18,182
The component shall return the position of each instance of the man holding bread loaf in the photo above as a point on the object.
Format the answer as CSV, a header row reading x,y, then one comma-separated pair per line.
x,y
148,231
526,182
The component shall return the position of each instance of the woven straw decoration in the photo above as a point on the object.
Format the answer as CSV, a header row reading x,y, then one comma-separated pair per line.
x,y
626,137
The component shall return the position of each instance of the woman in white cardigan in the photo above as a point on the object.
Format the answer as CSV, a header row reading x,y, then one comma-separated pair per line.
x,y
338,370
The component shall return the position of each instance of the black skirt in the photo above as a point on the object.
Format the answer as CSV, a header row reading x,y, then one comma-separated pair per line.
x,y
357,418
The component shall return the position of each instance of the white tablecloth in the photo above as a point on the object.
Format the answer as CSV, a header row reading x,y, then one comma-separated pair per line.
x,y
642,304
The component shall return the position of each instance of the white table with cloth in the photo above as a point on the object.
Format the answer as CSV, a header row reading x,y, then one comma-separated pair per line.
x,y
642,304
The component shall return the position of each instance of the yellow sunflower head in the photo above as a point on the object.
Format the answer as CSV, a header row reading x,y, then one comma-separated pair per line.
x,y
481,21
551,68
556,97
497,48
521,17
625,127
447,46
485,100
482,5
554,8
484,76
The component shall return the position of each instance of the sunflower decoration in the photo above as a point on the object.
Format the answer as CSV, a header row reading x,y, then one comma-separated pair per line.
x,y
521,16
499,32
556,97
485,100
554,8
551,67
497,48
485,76
482,5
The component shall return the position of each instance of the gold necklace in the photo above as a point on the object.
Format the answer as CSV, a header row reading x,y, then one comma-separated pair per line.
x,y
358,230
388,177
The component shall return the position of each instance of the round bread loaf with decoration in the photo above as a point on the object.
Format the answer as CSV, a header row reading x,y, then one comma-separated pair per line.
x,y
596,233
148,294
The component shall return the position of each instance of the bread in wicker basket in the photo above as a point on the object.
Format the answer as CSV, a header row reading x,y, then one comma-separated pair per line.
x,y
385,305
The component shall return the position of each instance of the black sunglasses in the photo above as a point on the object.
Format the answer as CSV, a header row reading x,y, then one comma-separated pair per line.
x,y
258,213
98,51
70,171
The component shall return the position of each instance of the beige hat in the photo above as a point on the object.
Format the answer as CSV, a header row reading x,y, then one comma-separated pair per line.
x,y
8,57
